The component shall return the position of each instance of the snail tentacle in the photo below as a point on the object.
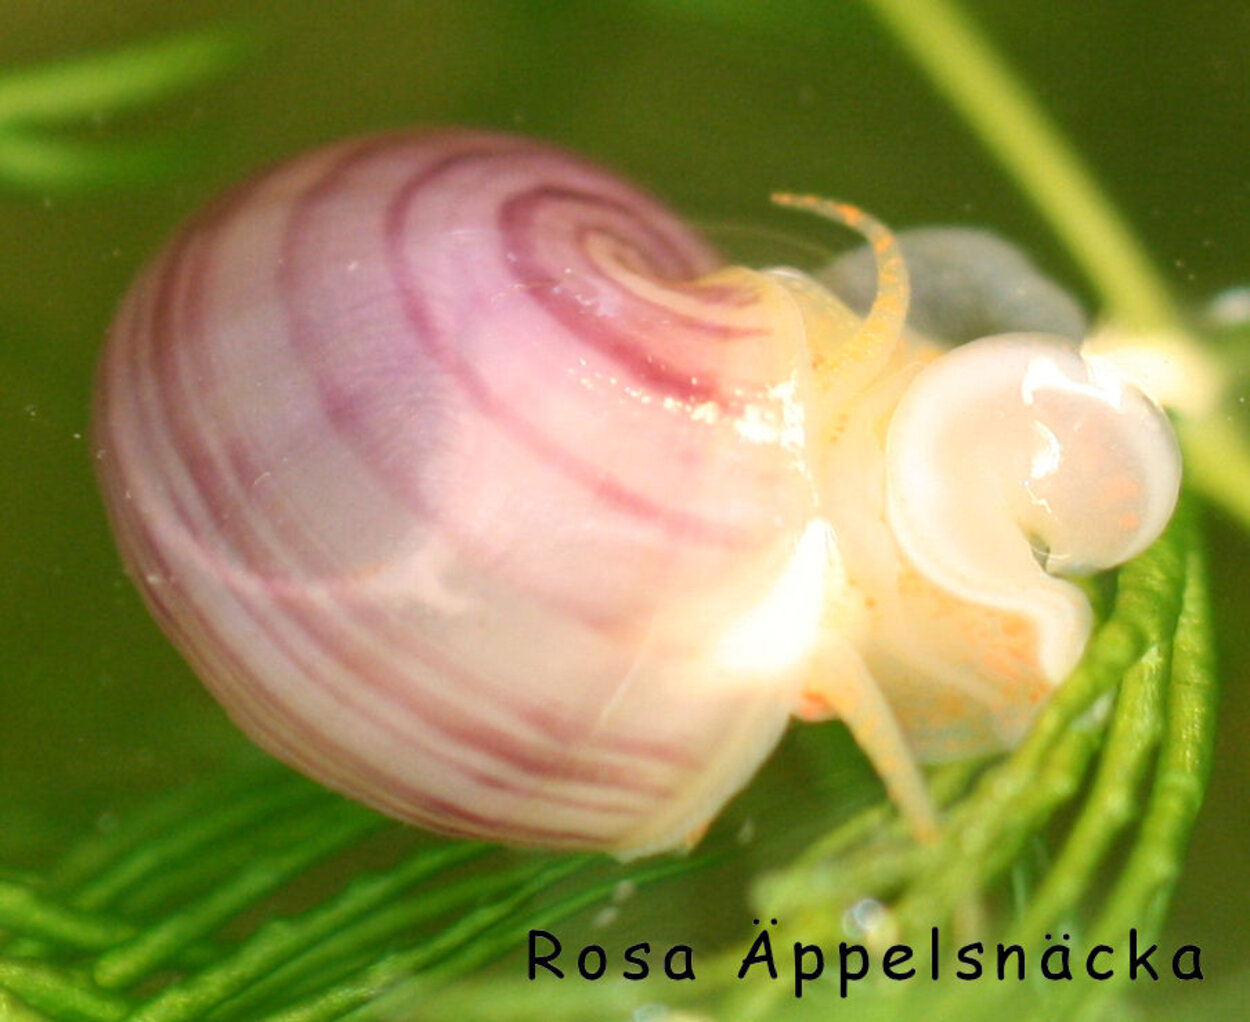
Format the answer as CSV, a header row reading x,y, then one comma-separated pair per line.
x,y
845,365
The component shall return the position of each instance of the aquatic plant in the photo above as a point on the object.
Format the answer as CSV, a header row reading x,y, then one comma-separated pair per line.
x,y
200,906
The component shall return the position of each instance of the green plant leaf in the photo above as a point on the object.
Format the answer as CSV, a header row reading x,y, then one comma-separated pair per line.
x,y
39,106
166,920
80,88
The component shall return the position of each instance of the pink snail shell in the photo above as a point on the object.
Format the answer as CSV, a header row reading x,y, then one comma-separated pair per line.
x,y
474,488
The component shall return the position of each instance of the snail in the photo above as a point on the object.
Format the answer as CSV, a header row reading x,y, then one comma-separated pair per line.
x,y
475,486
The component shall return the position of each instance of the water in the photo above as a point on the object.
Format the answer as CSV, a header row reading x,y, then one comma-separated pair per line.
x,y
712,111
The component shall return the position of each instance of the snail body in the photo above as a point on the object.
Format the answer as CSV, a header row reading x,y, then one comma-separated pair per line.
x,y
476,487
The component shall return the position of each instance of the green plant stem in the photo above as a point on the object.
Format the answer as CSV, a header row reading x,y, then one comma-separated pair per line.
x,y
29,912
59,994
106,871
469,956
464,932
1110,806
1126,756
122,966
979,83
1141,895
147,855
279,941
90,868
1217,462
39,163
83,87
348,950
13,1010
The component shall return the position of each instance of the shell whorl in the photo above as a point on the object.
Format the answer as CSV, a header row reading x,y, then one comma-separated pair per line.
x,y
382,416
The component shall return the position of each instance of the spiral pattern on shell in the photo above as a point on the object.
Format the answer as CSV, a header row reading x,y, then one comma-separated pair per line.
x,y
379,418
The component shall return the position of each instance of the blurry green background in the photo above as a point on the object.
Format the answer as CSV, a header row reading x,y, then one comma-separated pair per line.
x,y
712,105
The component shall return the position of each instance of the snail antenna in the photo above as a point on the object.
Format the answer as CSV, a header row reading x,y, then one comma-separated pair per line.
x,y
874,341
